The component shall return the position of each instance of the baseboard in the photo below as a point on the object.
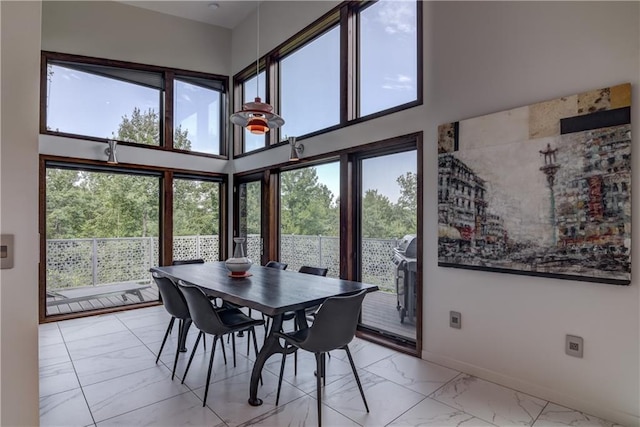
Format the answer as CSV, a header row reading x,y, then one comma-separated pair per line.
x,y
536,390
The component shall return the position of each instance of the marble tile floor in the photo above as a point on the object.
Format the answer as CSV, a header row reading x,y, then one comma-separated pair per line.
x,y
101,371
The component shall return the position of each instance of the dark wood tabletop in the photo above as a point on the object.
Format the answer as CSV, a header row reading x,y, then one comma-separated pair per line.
x,y
268,290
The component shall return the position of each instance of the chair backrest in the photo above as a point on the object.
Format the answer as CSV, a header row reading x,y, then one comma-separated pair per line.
x,y
335,323
276,264
172,298
203,314
188,261
318,271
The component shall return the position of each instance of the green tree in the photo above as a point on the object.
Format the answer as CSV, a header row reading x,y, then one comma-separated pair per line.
x,y
406,214
306,205
377,216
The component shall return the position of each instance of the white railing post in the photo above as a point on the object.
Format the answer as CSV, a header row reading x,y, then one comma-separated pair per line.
x,y
320,250
94,261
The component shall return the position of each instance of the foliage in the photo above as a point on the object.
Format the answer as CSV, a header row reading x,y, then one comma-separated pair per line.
x,y
88,204
306,206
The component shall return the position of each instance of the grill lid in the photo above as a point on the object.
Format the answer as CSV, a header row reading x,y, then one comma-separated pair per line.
x,y
407,246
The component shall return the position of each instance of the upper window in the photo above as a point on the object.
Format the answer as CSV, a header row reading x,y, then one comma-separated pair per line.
x,y
100,99
359,61
310,86
197,115
103,102
388,56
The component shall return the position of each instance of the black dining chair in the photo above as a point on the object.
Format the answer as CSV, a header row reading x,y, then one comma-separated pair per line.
x,y
188,261
316,271
333,328
176,306
214,322
277,264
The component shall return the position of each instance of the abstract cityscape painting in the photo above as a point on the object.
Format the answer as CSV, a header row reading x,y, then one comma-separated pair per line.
x,y
541,190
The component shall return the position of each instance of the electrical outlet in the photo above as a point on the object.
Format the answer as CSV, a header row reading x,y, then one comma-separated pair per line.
x,y
574,346
455,319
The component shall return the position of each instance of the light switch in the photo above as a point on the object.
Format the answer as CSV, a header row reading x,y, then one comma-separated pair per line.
x,y
6,251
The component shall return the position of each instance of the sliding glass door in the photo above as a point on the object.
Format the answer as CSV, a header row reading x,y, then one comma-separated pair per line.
x,y
102,229
310,217
196,219
388,231
249,199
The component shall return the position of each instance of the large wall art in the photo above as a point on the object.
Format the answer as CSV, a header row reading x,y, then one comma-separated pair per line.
x,y
542,190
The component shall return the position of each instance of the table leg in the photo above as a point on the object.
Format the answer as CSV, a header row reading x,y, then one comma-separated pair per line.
x,y
270,347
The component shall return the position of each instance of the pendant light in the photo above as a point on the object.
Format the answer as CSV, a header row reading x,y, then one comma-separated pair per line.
x,y
257,117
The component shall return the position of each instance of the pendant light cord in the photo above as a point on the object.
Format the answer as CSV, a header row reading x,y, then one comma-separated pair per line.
x,y
258,54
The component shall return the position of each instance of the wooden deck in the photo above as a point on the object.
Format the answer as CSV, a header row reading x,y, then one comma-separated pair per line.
x,y
379,312
149,294
378,309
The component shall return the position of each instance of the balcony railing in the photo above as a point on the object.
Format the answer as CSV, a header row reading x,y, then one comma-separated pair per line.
x,y
92,262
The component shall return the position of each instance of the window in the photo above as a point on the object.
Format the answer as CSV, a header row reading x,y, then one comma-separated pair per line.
x,y
197,115
389,211
310,86
250,218
388,55
196,219
359,61
102,231
310,217
103,102
97,99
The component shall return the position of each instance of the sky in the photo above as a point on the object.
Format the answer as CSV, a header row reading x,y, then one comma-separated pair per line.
x,y
91,105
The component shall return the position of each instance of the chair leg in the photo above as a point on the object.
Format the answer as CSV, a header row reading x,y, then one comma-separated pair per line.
x,y
295,362
166,334
248,336
224,352
175,359
193,352
355,374
233,345
206,388
318,387
284,358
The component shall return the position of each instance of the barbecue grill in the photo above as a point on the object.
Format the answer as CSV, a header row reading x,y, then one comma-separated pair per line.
x,y
405,260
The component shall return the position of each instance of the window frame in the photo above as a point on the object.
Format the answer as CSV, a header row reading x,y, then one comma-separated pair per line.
x,y
165,237
349,216
166,103
346,16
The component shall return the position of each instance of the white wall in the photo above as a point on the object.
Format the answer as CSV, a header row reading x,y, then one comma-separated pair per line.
x,y
488,57
112,30
20,71
485,57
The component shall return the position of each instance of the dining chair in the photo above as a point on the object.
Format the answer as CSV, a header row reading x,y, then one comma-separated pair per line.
x,y
316,271
333,328
176,306
214,322
277,264
188,261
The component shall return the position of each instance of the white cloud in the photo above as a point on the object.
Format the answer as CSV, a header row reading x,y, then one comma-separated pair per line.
x,y
399,82
397,17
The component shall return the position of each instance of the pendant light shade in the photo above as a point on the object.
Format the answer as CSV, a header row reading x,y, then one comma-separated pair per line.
x,y
257,117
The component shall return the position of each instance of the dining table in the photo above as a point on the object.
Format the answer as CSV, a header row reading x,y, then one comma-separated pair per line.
x,y
270,291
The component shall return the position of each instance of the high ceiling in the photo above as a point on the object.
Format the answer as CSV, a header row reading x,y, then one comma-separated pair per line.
x,y
228,14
